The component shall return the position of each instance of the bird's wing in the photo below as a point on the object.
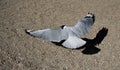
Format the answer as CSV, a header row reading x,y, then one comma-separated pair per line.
x,y
73,42
55,35
83,26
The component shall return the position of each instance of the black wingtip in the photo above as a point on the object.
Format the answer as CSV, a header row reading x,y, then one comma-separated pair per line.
x,y
92,16
27,31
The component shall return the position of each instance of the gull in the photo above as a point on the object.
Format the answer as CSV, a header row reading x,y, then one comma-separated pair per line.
x,y
70,34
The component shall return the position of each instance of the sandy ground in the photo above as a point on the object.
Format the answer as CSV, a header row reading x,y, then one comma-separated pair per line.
x,y
19,51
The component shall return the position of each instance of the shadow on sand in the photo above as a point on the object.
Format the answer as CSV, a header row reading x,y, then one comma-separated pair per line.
x,y
90,46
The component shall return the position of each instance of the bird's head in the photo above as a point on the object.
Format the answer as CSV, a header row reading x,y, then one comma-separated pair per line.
x,y
62,27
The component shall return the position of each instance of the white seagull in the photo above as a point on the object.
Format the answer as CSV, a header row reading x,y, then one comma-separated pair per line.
x,y
69,34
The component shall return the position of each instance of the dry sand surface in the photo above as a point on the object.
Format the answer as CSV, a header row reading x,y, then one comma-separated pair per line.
x,y
19,51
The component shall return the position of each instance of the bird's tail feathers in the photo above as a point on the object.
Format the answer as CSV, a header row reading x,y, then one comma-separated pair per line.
x,y
73,42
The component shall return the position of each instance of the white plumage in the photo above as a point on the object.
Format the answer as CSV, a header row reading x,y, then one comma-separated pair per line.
x,y
67,33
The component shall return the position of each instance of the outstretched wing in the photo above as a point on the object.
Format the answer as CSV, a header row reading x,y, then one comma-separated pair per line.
x,y
73,42
55,35
83,26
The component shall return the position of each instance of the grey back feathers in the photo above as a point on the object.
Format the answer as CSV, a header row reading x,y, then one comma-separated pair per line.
x,y
67,33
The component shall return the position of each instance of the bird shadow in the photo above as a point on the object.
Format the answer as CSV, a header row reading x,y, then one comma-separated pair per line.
x,y
90,46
